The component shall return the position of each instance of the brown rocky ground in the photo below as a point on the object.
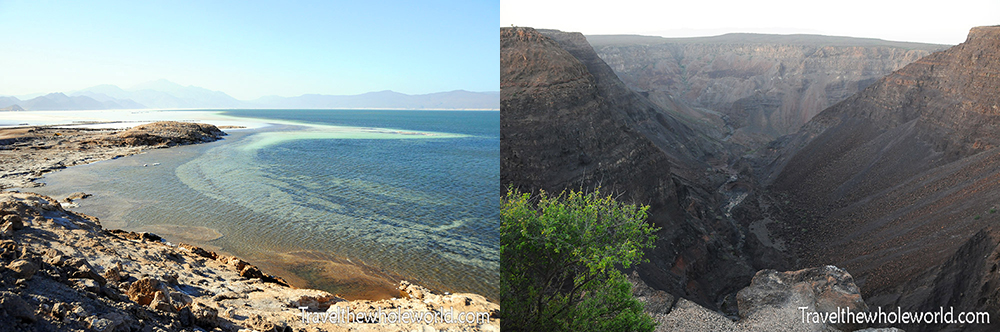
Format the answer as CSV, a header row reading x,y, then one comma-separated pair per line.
x,y
63,271
26,153
60,270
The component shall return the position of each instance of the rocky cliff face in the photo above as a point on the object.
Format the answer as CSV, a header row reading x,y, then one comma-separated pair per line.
x,y
764,86
567,122
891,181
967,281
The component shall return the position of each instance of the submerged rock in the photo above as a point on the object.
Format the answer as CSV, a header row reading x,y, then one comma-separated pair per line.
x,y
76,196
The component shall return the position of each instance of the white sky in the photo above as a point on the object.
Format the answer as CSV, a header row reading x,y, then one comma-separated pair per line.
x,y
940,22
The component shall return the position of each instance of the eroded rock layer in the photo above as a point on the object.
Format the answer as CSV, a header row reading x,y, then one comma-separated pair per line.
x,y
763,86
891,181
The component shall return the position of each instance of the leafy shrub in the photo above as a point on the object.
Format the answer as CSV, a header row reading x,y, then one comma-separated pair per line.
x,y
558,259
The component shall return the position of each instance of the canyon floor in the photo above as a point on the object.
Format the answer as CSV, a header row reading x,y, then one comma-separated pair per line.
x,y
60,270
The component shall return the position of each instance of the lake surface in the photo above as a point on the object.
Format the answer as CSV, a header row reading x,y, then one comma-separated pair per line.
x,y
347,201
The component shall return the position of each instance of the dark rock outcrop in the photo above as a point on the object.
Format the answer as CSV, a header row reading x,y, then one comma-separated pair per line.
x,y
76,196
26,153
167,133
969,281
763,86
774,301
15,309
774,295
567,122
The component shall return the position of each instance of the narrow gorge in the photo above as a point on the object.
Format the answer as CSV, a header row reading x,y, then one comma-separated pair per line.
x,y
759,153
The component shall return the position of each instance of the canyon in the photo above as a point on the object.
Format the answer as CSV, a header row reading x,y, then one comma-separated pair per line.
x,y
760,86
568,122
877,157
894,180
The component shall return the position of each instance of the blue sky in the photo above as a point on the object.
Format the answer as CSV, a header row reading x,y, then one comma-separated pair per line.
x,y
250,49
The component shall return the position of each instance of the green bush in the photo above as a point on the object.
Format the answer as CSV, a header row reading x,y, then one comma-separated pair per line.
x,y
559,258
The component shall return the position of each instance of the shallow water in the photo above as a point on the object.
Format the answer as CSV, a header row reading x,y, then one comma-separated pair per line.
x,y
345,209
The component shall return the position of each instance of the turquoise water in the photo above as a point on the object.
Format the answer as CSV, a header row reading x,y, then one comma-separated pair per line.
x,y
403,194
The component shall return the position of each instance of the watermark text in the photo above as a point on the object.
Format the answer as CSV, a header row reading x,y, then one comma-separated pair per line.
x,y
941,316
338,315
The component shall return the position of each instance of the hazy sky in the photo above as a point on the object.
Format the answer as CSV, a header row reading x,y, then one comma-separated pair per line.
x,y
249,49
940,22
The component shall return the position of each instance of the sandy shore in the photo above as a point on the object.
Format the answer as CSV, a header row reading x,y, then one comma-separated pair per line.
x,y
63,271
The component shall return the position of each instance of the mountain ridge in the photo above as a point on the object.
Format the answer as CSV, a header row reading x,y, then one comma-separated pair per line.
x,y
164,94
761,38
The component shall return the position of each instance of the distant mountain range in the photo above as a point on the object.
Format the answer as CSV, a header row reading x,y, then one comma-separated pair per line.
x,y
163,94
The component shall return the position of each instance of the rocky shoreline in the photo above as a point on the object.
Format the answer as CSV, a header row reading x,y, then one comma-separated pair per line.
x,y
60,270
27,153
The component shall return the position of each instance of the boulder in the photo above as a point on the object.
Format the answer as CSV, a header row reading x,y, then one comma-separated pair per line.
x,y
54,257
103,324
144,290
161,302
198,251
411,291
87,284
313,299
59,310
185,317
777,296
14,220
251,272
204,315
14,306
114,274
86,271
23,268
6,230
